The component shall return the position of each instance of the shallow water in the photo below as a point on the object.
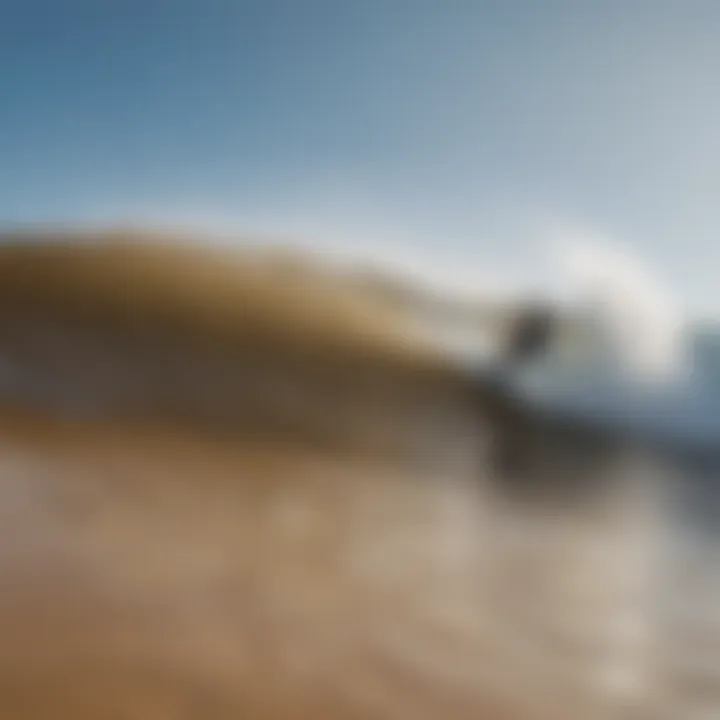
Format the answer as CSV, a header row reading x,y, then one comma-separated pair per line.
x,y
158,574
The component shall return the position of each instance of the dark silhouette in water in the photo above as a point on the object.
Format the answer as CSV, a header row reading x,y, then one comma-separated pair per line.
x,y
532,451
530,336
528,339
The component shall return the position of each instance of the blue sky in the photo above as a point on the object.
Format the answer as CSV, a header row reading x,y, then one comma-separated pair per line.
x,y
459,131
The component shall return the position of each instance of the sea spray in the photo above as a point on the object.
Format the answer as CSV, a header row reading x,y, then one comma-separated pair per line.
x,y
638,326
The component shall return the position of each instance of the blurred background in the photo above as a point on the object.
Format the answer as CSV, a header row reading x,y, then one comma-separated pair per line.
x,y
359,359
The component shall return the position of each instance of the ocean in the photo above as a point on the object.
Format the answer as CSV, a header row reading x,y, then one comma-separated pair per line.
x,y
238,524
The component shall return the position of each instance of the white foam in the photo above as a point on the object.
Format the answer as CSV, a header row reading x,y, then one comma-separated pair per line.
x,y
639,322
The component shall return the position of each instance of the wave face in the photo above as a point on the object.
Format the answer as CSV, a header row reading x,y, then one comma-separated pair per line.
x,y
351,552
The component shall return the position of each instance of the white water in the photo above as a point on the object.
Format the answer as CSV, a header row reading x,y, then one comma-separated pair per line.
x,y
639,373
639,325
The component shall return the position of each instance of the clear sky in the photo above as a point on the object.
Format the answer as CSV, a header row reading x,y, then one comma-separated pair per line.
x,y
459,129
